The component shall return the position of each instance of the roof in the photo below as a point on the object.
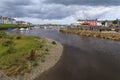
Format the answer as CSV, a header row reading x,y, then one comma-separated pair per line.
x,y
86,19
20,21
0,17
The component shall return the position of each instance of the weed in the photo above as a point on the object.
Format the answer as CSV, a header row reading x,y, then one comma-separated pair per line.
x,y
18,37
47,49
42,58
3,34
8,43
54,43
35,64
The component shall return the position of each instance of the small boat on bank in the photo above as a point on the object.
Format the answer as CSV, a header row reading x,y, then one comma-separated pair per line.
x,y
9,29
45,27
22,29
27,29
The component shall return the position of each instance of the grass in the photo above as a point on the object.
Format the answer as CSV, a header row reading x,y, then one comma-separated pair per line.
x,y
5,26
27,50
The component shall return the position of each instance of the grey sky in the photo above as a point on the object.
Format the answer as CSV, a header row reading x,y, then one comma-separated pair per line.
x,y
85,2
59,11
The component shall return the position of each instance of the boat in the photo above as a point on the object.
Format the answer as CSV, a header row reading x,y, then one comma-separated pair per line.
x,y
27,29
22,29
45,27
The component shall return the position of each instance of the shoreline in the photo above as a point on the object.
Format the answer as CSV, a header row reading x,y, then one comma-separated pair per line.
x,y
51,60
104,34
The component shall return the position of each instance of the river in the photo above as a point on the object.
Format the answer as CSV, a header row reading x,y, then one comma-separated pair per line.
x,y
84,58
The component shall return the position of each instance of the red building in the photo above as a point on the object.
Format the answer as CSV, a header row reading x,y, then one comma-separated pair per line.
x,y
92,23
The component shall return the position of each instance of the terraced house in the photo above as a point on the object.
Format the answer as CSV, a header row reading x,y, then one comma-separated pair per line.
x,y
1,20
6,20
11,21
20,22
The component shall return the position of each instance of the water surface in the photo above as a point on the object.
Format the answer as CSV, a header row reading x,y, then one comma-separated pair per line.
x,y
84,58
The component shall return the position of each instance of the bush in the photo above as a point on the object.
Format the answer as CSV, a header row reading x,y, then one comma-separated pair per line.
x,y
27,67
42,58
8,43
3,34
33,55
11,49
35,64
10,37
18,37
47,49
11,46
41,45
53,42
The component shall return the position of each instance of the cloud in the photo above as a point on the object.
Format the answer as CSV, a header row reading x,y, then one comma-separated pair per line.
x,y
52,11
13,8
85,2
67,20
34,9
58,11
17,3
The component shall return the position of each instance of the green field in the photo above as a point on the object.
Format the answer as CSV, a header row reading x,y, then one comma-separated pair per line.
x,y
19,53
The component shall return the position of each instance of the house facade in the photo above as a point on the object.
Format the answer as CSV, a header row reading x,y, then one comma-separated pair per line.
x,y
1,20
92,22
118,22
20,22
6,20
11,21
108,23
95,22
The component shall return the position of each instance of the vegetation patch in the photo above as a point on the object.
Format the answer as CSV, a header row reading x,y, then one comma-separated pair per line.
x,y
107,35
54,43
6,26
20,53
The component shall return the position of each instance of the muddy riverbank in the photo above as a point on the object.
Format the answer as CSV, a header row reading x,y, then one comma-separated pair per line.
x,y
105,34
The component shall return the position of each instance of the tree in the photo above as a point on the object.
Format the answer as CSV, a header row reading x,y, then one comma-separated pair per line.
x,y
115,22
103,23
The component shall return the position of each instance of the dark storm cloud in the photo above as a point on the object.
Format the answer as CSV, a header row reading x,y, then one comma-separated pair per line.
x,y
13,8
85,2
56,10
51,12
18,2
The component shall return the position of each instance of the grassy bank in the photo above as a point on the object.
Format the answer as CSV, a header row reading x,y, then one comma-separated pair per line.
x,y
88,33
6,26
19,53
3,26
